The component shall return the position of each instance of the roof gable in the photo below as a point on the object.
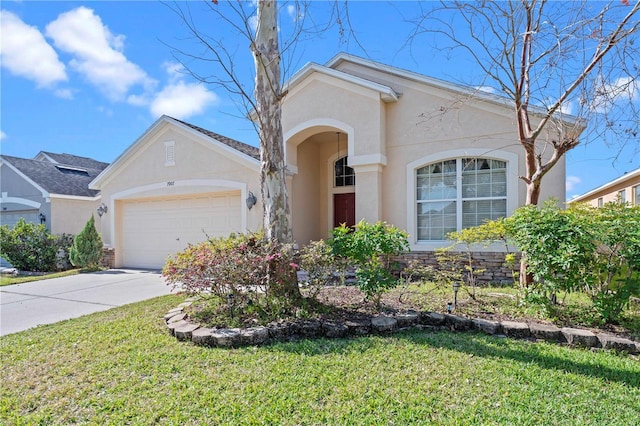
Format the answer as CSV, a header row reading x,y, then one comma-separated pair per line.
x,y
56,179
337,62
244,153
71,160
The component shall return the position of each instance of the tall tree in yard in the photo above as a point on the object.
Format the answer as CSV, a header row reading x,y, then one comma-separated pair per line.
x,y
268,97
264,107
550,58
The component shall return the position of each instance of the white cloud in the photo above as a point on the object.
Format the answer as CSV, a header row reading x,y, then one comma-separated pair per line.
x,y
607,94
567,108
3,135
487,89
97,52
294,12
25,52
572,182
64,93
178,98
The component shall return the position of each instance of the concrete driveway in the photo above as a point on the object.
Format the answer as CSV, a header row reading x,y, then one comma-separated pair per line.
x,y
27,305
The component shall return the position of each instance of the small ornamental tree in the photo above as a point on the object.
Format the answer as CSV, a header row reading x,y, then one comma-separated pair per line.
x,y
86,250
370,248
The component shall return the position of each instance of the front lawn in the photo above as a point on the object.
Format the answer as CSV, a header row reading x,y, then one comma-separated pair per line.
x,y
122,367
19,279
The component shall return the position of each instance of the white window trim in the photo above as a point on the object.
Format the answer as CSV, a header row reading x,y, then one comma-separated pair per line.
x,y
412,213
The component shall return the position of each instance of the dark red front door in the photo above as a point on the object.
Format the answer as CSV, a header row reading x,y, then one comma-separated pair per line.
x,y
344,209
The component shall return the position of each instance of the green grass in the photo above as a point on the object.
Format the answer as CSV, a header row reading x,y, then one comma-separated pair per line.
x,y
10,280
573,309
122,367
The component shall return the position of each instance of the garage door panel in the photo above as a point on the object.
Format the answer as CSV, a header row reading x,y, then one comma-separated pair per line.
x,y
155,229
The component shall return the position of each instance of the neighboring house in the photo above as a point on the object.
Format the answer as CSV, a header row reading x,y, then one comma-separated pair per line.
x,y
625,189
362,141
52,189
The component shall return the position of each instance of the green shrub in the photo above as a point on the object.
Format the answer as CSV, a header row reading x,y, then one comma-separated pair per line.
x,y
321,266
243,269
596,250
370,247
86,250
28,246
456,263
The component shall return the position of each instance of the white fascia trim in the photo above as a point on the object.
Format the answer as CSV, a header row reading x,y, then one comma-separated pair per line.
x,y
131,192
118,162
46,157
247,160
412,213
42,191
387,94
606,186
363,160
111,168
75,197
442,84
18,200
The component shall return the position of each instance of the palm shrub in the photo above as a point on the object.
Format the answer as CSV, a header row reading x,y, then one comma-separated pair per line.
x,y
86,250
28,246
370,248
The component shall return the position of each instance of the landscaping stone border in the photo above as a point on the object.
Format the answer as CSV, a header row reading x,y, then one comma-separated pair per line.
x,y
183,329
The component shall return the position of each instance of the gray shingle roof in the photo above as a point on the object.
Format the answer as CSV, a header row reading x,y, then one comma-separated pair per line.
x,y
74,160
61,179
249,150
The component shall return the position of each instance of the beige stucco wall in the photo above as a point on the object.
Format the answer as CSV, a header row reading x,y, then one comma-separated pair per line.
x,y
631,187
70,214
385,139
200,167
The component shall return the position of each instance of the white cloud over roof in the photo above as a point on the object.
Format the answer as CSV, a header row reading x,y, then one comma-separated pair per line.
x,y
180,99
97,53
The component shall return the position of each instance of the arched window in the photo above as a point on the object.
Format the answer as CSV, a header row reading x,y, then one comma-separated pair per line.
x,y
459,193
343,174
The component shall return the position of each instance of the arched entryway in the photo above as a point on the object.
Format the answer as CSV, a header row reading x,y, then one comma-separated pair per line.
x,y
323,184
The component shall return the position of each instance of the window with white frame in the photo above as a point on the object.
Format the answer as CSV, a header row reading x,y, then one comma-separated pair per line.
x,y
343,174
459,193
622,196
600,202
636,195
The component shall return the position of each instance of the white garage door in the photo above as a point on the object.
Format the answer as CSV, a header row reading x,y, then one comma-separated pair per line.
x,y
11,217
156,228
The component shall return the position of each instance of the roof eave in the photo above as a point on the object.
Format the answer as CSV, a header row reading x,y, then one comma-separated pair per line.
x,y
605,186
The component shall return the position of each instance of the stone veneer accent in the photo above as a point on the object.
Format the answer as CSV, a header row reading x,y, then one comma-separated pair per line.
x,y
108,257
179,326
495,267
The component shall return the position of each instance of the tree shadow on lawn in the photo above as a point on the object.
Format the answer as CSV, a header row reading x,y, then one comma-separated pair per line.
x,y
475,344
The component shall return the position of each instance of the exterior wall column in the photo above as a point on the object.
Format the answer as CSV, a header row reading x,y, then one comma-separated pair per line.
x,y
368,192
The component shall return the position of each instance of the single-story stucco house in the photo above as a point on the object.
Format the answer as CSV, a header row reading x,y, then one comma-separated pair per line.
x,y
52,189
625,189
363,140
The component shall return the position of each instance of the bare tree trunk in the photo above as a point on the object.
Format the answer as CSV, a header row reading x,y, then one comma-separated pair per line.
x,y
268,98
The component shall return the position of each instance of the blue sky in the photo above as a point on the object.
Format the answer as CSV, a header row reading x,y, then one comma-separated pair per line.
x,y
88,78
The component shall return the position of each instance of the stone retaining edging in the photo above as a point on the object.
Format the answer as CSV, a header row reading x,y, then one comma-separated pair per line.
x,y
183,329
